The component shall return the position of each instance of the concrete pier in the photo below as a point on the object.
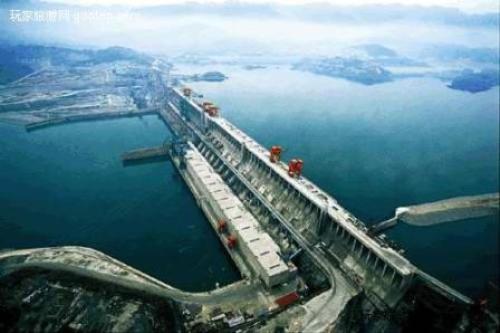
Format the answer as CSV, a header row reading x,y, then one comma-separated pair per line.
x,y
443,211
91,116
449,210
145,154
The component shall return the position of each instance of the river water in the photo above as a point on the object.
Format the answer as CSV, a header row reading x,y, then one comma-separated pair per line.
x,y
66,185
375,148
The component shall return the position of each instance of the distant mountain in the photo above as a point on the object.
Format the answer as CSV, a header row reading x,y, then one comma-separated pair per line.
x,y
19,60
117,53
384,13
376,50
383,56
37,55
450,52
223,9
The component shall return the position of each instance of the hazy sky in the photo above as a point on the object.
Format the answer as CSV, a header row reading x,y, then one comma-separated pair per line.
x,y
465,5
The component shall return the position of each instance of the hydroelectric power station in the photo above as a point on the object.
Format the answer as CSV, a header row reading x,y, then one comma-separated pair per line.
x,y
306,264
267,214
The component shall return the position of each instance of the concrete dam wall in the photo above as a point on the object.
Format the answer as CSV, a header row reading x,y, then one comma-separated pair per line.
x,y
272,195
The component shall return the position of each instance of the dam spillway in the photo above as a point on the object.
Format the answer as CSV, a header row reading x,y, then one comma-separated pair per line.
x,y
293,210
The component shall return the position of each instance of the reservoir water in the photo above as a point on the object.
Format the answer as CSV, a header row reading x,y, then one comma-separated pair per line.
x,y
66,185
375,148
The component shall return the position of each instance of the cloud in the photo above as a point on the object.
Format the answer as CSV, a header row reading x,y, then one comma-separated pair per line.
x,y
471,6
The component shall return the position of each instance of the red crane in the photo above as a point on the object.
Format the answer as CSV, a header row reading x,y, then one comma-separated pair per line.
x,y
275,154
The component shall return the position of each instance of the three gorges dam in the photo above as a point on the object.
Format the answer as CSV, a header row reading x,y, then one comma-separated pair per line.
x,y
292,242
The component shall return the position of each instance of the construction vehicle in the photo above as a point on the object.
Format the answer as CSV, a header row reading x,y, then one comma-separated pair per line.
x,y
275,154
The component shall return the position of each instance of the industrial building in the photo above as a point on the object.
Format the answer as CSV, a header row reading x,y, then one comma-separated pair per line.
x,y
235,225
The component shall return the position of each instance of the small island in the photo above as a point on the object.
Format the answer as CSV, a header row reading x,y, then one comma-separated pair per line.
x,y
253,67
474,82
210,77
351,69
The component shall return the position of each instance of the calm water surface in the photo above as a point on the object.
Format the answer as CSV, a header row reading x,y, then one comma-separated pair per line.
x,y
66,185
